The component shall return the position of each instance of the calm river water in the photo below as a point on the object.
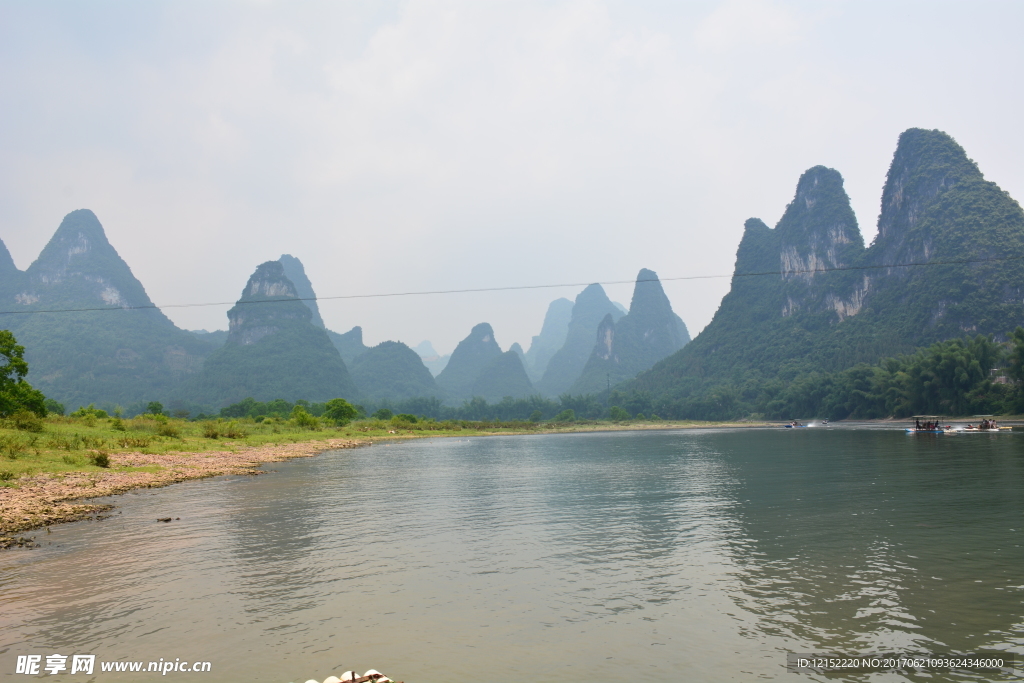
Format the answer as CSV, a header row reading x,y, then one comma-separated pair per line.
x,y
699,555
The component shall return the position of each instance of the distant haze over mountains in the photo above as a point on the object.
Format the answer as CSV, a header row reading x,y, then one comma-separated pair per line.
x,y
807,297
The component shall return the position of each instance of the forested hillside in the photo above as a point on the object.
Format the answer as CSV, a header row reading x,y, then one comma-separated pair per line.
x,y
808,297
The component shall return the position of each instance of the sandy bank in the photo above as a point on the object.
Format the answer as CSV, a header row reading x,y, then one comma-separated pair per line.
x,y
45,499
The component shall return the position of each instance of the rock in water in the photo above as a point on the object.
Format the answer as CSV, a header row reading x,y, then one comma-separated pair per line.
x,y
273,350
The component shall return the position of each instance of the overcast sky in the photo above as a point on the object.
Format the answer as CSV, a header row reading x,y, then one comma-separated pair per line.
x,y
409,146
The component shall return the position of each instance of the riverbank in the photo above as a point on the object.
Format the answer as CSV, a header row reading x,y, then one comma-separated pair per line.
x,y
49,498
48,472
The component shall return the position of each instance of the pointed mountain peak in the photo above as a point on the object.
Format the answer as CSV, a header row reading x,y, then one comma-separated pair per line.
x,y
648,294
269,304
552,336
78,266
819,229
7,267
80,224
926,164
592,296
269,283
294,271
468,360
481,333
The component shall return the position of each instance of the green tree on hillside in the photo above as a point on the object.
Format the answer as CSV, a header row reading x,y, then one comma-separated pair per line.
x,y
16,394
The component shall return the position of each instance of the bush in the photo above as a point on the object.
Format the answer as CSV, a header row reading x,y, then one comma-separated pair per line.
x,y
565,416
233,431
27,421
617,414
52,407
535,416
383,414
89,411
168,429
117,425
6,476
302,418
12,446
404,417
100,459
210,430
155,408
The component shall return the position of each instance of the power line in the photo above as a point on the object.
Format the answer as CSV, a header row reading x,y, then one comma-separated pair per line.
x,y
526,287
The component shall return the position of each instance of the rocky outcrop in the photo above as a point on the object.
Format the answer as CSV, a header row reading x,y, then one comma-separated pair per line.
x,y
273,350
649,332
294,271
566,365
948,260
269,303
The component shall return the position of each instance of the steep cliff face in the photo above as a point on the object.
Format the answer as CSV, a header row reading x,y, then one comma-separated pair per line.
x,y
470,357
115,355
565,366
649,332
269,304
938,208
551,338
503,376
948,260
294,271
273,350
817,235
392,371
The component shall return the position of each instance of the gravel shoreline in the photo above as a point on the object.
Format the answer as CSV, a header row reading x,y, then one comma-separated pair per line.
x,y
45,499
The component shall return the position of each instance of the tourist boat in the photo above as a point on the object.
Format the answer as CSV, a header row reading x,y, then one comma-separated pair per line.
x,y
927,418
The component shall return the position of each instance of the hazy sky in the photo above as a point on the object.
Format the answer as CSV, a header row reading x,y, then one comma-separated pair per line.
x,y
406,146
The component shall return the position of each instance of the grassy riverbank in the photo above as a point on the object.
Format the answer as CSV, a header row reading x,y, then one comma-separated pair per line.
x,y
46,465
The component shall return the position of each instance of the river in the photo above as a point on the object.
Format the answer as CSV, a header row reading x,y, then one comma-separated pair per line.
x,y
701,555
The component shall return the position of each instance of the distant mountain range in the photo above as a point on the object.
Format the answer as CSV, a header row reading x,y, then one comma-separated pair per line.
x,y
115,348
807,297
